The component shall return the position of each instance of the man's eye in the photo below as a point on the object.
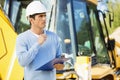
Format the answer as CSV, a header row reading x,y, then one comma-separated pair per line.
x,y
42,16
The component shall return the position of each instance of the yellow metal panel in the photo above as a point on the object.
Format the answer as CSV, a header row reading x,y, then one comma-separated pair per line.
x,y
7,47
101,70
17,72
3,50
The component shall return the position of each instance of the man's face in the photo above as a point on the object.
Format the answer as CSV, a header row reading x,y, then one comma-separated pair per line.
x,y
39,21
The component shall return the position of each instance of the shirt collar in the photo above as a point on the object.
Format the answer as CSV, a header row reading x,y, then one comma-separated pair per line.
x,y
37,34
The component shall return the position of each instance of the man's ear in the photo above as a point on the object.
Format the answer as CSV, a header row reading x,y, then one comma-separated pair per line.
x,y
30,20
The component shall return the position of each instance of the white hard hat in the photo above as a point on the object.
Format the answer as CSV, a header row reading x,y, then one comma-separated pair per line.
x,y
35,7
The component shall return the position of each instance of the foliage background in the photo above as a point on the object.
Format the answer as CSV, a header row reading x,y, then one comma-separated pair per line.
x,y
2,2
114,9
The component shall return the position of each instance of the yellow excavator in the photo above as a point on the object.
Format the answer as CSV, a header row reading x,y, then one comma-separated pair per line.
x,y
8,62
81,32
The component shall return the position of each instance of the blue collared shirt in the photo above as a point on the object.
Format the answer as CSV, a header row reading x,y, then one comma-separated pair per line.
x,y
31,54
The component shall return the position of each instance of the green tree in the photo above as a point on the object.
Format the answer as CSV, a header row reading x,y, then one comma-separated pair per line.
x,y
115,11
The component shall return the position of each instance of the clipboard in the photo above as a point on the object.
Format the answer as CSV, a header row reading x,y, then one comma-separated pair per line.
x,y
50,65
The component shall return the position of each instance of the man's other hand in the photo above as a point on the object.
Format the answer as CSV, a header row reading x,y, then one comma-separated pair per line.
x,y
59,66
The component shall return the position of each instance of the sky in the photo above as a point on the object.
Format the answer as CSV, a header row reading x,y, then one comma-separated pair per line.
x,y
102,6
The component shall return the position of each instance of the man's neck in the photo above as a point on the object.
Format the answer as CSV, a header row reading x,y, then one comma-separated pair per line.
x,y
37,31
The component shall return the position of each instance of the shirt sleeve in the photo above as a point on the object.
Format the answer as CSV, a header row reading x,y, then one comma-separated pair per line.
x,y
24,55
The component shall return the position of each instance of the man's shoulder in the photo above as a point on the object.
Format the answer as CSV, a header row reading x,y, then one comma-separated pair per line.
x,y
24,34
51,33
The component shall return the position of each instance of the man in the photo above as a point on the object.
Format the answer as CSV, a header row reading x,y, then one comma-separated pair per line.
x,y
36,46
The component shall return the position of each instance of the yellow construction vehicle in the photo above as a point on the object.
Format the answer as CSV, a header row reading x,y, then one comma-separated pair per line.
x,y
8,63
81,33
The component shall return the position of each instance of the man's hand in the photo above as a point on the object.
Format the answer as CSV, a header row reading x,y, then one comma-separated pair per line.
x,y
59,66
42,38
59,63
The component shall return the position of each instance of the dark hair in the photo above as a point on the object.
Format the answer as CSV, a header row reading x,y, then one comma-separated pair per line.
x,y
33,16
